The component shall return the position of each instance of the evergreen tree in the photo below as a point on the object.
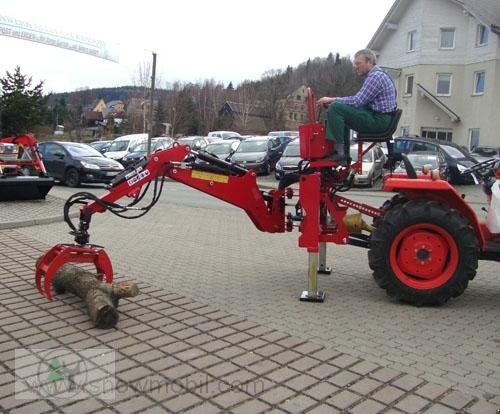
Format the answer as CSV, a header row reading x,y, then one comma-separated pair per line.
x,y
21,106
60,112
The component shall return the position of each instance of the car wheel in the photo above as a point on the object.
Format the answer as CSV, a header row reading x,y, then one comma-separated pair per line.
x,y
446,175
72,178
267,168
371,181
423,253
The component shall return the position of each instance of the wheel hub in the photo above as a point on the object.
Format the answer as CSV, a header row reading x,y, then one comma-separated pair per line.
x,y
423,254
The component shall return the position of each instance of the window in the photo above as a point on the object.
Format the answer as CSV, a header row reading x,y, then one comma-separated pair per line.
x,y
405,131
447,39
412,40
479,83
443,84
482,35
437,133
409,85
473,138
298,97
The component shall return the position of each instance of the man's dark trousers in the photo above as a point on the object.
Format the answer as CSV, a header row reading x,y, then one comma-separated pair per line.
x,y
342,117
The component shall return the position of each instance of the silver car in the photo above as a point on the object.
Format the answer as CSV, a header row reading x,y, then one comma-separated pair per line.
x,y
372,165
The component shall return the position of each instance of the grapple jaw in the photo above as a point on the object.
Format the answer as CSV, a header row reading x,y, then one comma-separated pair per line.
x,y
71,253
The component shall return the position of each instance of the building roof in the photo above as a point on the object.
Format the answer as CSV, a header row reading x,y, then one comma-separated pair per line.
x,y
110,104
487,12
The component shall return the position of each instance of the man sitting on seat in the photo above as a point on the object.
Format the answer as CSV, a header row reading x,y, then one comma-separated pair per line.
x,y
369,111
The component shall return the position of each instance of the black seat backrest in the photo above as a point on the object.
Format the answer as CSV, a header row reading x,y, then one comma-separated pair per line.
x,y
382,136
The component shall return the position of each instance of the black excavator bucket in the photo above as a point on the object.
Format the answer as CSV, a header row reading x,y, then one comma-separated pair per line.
x,y
24,187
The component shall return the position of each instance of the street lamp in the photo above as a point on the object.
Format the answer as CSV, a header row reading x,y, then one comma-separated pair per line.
x,y
151,103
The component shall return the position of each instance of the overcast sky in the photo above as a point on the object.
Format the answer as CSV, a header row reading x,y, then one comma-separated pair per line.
x,y
194,39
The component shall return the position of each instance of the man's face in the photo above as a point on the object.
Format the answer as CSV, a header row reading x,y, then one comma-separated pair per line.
x,y
362,65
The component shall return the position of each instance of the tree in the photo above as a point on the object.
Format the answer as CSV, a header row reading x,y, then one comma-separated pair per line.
x,y
59,112
247,100
22,107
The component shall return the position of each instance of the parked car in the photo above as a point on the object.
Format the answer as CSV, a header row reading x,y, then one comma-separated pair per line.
x,y
101,146
457,158
372,165
222,148
418,159
260,153
74,163
121,146
289,161
194,142
141,149
485,153
291,134
225,135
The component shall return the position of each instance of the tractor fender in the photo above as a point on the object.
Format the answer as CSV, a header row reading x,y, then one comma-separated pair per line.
x,y
425,188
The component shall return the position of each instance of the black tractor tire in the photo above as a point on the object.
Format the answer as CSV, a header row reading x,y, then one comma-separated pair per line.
x,y
396,200
72,177
423,253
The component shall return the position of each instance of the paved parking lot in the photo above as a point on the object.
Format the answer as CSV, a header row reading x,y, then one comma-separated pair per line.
x,y
219,259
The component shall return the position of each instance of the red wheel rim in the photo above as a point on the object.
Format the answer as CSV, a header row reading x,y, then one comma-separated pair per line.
x,y
424,256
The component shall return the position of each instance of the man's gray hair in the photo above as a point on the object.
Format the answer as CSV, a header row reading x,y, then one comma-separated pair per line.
x,y
368,54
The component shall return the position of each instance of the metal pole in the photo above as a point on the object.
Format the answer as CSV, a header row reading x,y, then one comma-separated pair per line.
x,y
151,103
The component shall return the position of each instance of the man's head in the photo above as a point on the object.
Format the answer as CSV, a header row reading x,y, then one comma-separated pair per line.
x,y
364,60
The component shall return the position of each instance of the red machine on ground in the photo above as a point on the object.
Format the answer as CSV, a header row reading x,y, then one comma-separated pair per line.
x,y
424,243
14,185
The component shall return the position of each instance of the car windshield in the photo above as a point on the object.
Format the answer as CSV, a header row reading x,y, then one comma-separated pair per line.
x,y
368,157
142,147
486,151
219,148
419,160
292,151
186,141
98,145
452,151
121,145
252,146
82,151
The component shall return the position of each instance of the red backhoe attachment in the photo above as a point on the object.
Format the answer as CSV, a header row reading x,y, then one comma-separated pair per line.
x,y
425,223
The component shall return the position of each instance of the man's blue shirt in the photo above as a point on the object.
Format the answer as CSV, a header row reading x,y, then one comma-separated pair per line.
x,y
377,93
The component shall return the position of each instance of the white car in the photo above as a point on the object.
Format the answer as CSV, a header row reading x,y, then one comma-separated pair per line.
x,y
225,135
121,146
372,165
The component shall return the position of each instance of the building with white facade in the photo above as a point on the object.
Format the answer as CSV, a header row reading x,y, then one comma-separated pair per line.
x,y
444,56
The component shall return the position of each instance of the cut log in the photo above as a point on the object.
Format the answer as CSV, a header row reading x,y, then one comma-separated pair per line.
x,y
101,298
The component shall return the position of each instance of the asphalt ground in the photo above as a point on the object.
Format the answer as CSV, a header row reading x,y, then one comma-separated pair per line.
x,y
216,258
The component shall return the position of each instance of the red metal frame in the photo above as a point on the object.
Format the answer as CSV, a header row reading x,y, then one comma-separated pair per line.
x,y
25,141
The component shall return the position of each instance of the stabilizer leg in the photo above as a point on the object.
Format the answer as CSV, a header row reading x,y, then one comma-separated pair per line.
x,y
323,268
312,294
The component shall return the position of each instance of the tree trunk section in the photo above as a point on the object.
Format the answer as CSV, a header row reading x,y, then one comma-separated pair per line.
x,y
101,298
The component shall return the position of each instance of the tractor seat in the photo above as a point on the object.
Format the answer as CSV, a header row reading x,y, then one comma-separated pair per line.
x,y
381,136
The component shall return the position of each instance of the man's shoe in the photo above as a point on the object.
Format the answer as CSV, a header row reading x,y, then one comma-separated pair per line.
x,y
337,158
